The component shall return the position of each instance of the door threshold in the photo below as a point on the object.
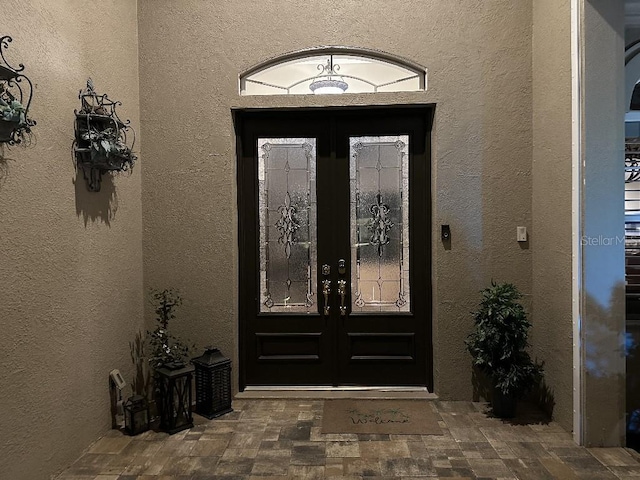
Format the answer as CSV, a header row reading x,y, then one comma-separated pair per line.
x,y
326,393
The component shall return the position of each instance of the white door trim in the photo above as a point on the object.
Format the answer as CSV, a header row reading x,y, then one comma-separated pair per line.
x,y
576,213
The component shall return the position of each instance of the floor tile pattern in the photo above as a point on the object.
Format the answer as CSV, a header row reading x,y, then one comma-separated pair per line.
x,y
282,439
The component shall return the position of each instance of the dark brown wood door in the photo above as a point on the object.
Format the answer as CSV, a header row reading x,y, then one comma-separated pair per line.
x,y
334,236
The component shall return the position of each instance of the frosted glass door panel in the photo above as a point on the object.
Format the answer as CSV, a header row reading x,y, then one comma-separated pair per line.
x,y
379,183
287,203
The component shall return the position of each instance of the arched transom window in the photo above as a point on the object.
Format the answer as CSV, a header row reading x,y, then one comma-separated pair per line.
x,y
333,70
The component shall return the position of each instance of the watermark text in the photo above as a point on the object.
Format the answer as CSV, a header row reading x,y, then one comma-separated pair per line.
x,y
601,241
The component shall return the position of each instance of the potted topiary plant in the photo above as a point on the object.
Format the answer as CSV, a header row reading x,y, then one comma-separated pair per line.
x,y
167,353
498,346
166,349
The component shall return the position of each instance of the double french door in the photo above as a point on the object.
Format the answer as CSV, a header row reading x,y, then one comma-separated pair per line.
x,y
334,247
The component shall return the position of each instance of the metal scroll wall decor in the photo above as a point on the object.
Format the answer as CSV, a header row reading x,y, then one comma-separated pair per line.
x,y
287,224
15,98
632,182
101,138
380,224
632,160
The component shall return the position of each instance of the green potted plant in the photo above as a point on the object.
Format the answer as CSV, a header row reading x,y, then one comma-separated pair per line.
x,y
498,346
15,97
166,350
162,349
12,111
108,151
12,117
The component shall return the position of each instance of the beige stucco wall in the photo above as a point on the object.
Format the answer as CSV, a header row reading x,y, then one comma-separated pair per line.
x,y
551,201
479,59
70,260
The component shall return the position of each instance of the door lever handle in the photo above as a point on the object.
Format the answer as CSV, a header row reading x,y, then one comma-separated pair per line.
x,y
326,291
342,292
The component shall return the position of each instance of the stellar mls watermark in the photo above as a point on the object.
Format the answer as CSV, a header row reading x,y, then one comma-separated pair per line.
x,y
601,241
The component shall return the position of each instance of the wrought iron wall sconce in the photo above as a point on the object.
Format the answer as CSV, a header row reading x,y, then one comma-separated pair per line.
x,y
15,98
100,144
632,160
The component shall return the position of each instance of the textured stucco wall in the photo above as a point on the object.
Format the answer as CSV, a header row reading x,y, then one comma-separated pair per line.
x,y
551,201
479,58
70,260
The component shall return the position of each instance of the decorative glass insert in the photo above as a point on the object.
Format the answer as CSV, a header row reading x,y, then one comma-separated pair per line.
x,y
379,184
333,70
287,203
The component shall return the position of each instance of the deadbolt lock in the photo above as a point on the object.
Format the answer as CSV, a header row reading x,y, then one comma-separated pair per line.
x,y
342,266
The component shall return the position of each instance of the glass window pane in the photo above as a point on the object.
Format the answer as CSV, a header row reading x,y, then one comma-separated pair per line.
x,y
287,196
346,72
379,182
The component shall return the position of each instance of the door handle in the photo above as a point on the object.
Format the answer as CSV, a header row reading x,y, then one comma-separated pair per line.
x,y
342,292
326,291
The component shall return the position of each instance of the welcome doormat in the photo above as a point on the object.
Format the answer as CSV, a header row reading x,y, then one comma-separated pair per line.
x,y
401,417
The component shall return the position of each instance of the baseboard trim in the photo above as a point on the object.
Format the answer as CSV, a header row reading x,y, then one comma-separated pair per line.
x,y
322,392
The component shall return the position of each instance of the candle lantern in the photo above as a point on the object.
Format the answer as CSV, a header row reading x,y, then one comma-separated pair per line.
x,y
213,383
136,415
175,398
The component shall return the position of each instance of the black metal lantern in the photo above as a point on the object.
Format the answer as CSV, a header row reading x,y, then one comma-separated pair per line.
x,y
136,415
175,398
213,384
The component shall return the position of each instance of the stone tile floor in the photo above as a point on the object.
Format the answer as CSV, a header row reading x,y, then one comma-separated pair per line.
x,y
282,439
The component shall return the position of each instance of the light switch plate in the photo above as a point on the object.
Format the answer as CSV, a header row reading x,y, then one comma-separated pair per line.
x,y
521,234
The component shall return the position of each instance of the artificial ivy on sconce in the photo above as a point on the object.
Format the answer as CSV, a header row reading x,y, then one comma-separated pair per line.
x,y
100,144
15,98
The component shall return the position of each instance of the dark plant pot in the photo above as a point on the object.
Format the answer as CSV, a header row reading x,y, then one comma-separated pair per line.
x,y
504,406
175,365
6,129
